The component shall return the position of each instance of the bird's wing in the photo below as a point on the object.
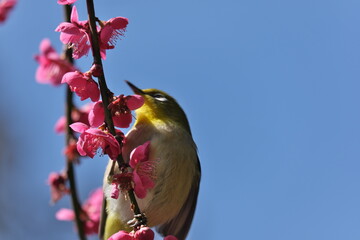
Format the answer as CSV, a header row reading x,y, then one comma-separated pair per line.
x,y
179,226
103,217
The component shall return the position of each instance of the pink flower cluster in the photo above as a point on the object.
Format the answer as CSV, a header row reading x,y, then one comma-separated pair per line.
x,y
93,114
142,175
91,212
5,7
77,34
89,121
91,139
144,233
120,109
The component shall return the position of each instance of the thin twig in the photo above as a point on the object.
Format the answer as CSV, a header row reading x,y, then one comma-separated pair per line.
x,y
69,137
97,60
104,89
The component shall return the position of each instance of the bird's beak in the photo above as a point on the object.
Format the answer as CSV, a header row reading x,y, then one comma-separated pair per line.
x,y
135,89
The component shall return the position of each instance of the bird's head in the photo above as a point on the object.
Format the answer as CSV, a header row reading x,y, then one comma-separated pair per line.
x,y
159,107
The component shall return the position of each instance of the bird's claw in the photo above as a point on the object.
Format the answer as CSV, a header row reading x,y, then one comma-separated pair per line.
x,y
138,221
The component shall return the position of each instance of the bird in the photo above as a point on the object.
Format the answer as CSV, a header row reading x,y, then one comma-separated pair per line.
x,y
170,205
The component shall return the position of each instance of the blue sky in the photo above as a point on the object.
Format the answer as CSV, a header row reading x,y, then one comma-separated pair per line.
x,y
271,90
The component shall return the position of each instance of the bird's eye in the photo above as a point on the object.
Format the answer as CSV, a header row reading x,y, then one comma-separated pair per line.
x,y
160,97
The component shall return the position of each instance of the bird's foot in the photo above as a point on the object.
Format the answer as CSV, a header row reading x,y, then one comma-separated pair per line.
x,y
138,221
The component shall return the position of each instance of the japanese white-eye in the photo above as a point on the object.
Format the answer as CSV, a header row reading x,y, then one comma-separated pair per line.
x,y
171,204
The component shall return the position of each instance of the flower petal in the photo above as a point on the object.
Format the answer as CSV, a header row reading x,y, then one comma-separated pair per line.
x,y
122,120
147,182
122,235
139,189
144,233
73,78
97,132
119,22
65,214
45,46
140,154
97,114
74,15
93,90
66,2
80,146
60,125
79,127
134,101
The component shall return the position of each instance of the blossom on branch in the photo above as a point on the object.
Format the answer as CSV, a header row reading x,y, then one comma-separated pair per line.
x,y
120,109
111,31
91,139
82,84
58,188
141,178
5,7
76,34
90,214
143,170
51,66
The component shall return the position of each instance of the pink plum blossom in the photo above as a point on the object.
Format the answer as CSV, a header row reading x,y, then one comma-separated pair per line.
x,y
5,7
76,34
83,85
111,30
93,138
58,188
51,66
120,109
91,212
66,2
143,169
77,115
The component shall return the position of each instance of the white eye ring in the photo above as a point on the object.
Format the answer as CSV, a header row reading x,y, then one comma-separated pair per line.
x,y
160,97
